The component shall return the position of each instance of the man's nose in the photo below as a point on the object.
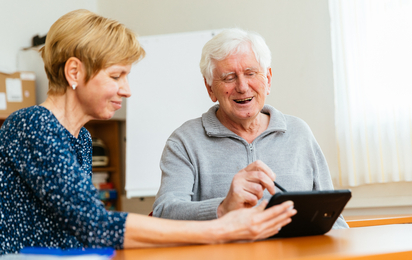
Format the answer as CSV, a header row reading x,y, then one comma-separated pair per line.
x,y
242,84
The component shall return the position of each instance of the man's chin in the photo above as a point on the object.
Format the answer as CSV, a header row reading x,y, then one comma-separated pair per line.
x,y
245,115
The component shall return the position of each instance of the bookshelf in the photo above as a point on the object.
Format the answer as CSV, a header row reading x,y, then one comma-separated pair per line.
x,y
108,132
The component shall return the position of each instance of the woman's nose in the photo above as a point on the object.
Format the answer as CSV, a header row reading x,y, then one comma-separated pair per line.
x,y
124,89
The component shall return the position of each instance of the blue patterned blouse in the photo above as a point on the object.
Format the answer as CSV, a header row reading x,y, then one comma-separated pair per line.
x,y
47,196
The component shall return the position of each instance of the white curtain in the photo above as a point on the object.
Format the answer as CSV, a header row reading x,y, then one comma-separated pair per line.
x,y
372,59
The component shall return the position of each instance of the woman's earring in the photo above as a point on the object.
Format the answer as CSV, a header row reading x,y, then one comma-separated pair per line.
x,y
74,86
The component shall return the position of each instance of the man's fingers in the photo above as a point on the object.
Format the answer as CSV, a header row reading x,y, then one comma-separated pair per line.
x,y
248,186
261,166
249,199
261,178
255,189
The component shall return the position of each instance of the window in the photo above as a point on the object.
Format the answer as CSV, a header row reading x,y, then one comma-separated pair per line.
x,y
372,58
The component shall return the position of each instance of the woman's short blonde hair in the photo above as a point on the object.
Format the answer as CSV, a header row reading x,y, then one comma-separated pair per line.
x,y
96,41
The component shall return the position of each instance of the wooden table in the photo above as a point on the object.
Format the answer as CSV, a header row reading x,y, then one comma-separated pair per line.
x,y
376,220
392,242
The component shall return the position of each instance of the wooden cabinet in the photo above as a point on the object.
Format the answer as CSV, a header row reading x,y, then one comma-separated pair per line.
x,y
109,133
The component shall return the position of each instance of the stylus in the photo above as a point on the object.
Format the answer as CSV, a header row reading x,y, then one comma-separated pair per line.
x,y
280,187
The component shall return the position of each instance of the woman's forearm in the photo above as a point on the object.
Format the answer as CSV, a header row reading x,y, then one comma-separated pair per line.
x,y
143,231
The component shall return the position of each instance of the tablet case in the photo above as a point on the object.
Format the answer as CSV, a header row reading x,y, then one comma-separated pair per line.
x,y
317,211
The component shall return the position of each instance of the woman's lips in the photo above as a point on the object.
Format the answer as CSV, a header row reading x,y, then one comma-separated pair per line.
x,y
117,104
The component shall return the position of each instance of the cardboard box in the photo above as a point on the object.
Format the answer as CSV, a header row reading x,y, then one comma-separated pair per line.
x,y
17,90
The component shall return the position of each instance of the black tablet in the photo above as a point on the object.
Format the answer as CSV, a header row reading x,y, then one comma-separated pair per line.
x,y
317,211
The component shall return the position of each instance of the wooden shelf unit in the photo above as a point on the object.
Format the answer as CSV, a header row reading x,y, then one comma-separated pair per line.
x,y
108,132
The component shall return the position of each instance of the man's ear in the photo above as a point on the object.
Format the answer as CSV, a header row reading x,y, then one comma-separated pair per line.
x,y
73,71
210,91
269,79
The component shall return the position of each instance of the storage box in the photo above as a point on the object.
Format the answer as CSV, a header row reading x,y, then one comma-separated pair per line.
x,y
17,90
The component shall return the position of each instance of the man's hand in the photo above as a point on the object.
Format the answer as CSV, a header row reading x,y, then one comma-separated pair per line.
x,y
247,187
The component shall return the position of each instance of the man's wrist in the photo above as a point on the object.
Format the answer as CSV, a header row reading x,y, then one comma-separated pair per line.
x,y
221,210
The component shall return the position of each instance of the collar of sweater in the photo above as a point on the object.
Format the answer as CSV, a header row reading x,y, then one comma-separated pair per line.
x,y
213,127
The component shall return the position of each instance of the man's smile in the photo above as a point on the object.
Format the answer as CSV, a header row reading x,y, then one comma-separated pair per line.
x,y
243,101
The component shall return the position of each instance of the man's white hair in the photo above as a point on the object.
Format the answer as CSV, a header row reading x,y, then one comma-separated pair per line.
x,y
232,41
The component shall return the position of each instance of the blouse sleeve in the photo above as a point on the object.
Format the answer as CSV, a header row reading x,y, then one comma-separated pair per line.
x,y
50,167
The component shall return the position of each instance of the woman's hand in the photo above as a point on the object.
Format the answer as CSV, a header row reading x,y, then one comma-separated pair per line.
x,y
255,223
243,224
247,187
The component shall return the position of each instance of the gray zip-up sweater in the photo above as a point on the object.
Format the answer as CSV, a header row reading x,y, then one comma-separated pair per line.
x,y
202,156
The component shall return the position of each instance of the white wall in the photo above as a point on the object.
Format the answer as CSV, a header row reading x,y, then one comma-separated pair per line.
x,y
20,20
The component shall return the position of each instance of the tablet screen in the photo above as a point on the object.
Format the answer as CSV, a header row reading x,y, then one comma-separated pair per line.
x,y
317,211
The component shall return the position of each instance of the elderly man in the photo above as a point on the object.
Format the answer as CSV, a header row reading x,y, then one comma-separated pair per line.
x,y
227,159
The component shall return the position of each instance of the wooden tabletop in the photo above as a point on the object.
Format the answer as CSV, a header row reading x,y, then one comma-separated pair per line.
x,y
366,243
376,220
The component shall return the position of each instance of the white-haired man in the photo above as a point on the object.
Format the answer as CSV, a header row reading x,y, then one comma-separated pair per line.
x,y
227,159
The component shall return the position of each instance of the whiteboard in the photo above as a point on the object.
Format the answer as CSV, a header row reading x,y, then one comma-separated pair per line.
x,y
167,90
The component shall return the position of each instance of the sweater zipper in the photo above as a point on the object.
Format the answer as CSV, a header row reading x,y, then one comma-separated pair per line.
x,y
252,153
